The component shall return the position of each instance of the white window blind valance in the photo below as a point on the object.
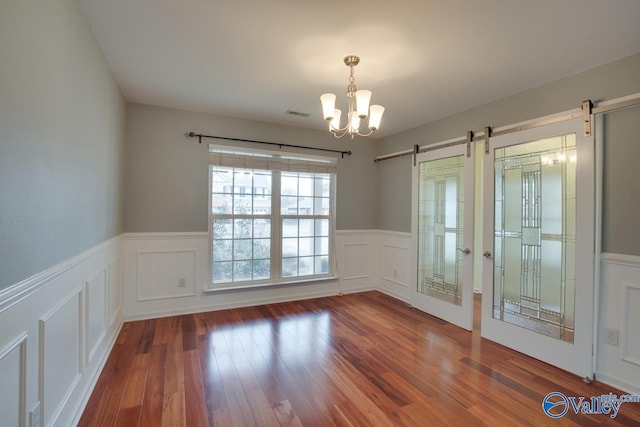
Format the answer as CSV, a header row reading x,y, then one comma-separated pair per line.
x,y
270,161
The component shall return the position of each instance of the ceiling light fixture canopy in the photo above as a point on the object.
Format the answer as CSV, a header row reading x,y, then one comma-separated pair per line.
x,y
359,108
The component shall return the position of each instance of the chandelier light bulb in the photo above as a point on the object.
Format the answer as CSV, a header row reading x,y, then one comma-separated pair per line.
x,y
354,120
362,103
335,121
375,116
328,105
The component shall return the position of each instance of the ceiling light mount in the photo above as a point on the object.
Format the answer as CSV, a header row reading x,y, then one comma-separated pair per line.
x,y
351,60
359,108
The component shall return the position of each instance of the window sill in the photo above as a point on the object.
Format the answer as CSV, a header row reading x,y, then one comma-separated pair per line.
x,y
267,285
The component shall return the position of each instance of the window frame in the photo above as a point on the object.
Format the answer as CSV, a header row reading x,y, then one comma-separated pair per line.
x,y
276,219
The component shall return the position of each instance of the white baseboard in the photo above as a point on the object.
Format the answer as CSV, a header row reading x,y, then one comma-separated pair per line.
x,y
395,295
618,383
229,305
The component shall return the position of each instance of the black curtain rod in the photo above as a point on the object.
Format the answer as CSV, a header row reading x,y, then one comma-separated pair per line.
x,y
200,136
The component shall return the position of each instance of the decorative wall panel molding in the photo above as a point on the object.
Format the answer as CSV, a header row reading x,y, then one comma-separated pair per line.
x,y
13,371
355,260
393,264
66,319
114,279
163,274
61,361
96,303
630,332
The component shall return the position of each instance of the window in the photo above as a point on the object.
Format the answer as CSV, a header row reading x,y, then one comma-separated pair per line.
x,y
271,217
305,212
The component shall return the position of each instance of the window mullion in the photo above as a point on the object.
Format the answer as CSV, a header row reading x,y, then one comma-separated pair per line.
x,y
276,227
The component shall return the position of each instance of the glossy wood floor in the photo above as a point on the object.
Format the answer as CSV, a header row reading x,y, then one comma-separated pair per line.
x,y
357,360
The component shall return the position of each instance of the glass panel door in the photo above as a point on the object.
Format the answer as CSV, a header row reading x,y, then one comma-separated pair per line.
x,y
539,220
443,220
535,235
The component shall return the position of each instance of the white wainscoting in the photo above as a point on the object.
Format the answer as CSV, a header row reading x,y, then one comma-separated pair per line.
x,y
166,274
619,366
56,331
394,249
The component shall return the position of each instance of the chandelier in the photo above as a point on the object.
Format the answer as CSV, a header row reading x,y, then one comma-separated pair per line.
x,y
359,108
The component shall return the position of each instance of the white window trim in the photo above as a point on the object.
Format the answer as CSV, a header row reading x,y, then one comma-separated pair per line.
x,y
276,217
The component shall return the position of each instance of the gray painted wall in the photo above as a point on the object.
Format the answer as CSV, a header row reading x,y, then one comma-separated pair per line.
x,y
61,139
621,182
166,172
609,81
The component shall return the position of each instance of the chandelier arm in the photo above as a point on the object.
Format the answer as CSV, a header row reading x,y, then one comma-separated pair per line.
x,y
371,131
335,129
339,134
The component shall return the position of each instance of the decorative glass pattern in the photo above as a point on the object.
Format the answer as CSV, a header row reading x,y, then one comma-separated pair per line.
x,y
535,235
440,228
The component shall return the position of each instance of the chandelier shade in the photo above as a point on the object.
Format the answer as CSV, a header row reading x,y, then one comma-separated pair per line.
x,y
358,108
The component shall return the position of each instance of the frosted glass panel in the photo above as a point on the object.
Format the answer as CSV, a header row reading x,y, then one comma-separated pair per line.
x,y
440,228
534,242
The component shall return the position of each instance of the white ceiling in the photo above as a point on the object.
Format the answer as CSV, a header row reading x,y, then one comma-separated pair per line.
x,y
423,60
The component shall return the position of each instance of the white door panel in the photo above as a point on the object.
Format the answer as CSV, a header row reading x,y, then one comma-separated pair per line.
x,y
443,183
538,234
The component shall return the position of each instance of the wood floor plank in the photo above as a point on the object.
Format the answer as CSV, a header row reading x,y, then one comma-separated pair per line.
x,y
357,360
299,388
239,409
134,390
285,414
173,407
189,333
173,414
261,409
220,418
128,417
146,340
195,404
152,403
211,380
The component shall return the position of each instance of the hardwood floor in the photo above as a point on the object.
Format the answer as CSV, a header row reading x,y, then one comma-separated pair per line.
x,y
357,360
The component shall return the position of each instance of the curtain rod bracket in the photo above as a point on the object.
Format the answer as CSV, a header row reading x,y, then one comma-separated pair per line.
x,y
416,150
469,141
